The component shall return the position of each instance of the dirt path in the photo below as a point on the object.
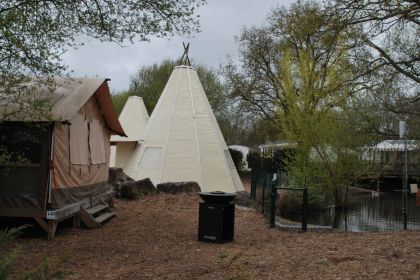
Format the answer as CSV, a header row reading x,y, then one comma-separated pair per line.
x,y
155,238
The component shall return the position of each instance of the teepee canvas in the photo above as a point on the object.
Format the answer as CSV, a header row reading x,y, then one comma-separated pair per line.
x,y
182,140
133,119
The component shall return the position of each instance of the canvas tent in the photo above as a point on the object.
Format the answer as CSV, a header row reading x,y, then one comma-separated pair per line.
x,y
65,155
182,140
133,119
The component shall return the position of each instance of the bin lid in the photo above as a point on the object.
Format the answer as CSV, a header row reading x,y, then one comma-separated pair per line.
x,y
217,197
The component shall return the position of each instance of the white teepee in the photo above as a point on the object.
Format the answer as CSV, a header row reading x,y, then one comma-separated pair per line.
x,y
133,119
182,140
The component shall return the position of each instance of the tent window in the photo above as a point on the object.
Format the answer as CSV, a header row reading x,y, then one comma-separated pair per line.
x,y
229,159
97,142
79,149
151,157
21,145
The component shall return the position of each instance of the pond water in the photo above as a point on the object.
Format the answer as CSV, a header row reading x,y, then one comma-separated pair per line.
x,y
368,213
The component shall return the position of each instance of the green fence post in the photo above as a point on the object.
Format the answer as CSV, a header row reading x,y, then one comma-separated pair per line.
x,y
273,204
263,191
305,210
253,181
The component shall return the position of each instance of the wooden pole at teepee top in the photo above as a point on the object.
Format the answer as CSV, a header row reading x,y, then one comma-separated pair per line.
x,y
185,60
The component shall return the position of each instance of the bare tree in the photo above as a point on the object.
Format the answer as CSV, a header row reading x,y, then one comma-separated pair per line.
x,y
391,29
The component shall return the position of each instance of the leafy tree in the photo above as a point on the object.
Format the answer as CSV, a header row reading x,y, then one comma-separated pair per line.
x,y
150,81
298,72
119,100
34,34
327,154
249,130
300,34
380,95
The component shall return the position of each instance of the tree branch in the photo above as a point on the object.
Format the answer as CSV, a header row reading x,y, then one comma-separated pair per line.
x,y
394,64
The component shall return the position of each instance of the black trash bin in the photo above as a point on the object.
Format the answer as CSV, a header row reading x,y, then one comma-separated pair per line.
x,y
216,219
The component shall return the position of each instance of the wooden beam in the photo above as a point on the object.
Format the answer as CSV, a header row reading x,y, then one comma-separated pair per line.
x,y
76,220
88,220
42,223
52,227
185,60
49,227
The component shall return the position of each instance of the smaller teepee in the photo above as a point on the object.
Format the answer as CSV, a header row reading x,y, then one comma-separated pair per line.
x,y
182,140
133,119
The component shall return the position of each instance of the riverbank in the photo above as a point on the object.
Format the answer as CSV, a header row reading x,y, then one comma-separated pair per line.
x,y
155,238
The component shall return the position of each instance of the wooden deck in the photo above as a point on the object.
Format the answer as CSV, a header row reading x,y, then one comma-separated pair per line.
x,y
48,220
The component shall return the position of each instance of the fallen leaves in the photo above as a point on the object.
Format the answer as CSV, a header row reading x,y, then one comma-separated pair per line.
x,y
155,237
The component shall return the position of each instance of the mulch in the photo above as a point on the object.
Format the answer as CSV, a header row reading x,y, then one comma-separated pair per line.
x,y
155,237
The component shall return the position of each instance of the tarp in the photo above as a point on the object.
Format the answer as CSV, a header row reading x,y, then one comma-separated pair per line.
x,y
73,161
72,180
62,98
182,140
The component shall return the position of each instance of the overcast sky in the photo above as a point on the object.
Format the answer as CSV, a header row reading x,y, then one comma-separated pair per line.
x,y
220,21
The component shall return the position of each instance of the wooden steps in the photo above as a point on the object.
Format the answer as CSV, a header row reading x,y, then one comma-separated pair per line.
x,y
104,217
95,216
96,209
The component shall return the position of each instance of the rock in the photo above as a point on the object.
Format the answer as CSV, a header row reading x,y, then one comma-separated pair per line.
x,y
117,175
244,199
116,178
136,189
178,187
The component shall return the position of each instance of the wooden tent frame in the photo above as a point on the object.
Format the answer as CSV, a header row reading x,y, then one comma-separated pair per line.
x,y
185,60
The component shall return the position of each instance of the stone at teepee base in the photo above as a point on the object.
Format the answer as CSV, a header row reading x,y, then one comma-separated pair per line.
x,y
137,189
178,187
244,199
116,179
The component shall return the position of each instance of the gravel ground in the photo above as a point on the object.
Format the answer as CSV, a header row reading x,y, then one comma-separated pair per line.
x,y
155,237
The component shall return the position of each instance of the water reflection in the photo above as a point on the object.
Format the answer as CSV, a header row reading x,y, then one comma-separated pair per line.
x,y
369,213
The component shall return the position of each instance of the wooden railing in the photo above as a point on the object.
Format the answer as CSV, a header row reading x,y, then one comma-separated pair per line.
x,y
395,168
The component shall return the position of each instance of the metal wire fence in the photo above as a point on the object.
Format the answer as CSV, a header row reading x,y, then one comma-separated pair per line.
x,y
366,210
266,192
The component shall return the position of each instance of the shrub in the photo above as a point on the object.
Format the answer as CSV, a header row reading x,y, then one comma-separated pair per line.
x,y
40,272
119,100
255,161
7,259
